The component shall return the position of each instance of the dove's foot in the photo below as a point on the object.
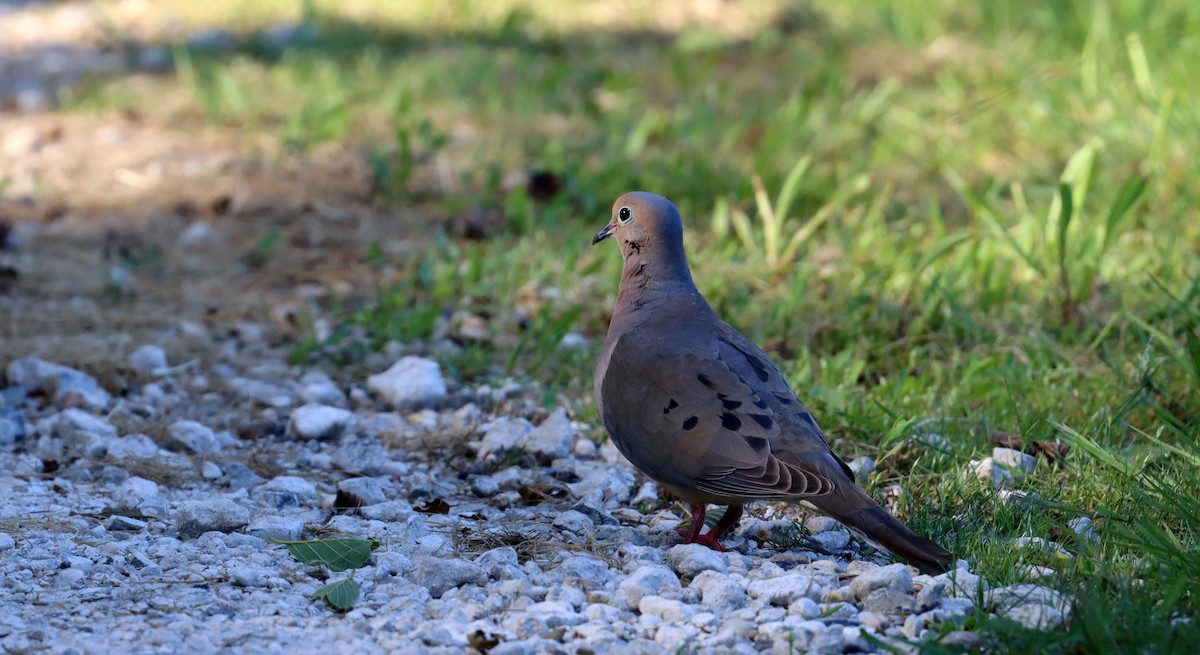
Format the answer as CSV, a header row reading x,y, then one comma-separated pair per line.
x,y
711,538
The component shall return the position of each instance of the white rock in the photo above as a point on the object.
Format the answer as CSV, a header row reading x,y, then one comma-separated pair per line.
x,y
6,542
191,436
313,421
195,517
1082,526
368,490
12,425
323,392
572,341
1037,617
118,523
584,571
553,438
831,540
135,492
894,576
1044,546
1035,572
648,579
820,523
808,608
1020,464
286,491
62,383
68,578
284,528
601,484
211,471
720,592
574,522
862,467
783,590
811,637
149,359
671,635
647,494
502,435
931,593
665,608
485,486
270,394
441,574
200,235
83,435
1005,598
689,560
410,383
497,561
961,583
133,446
987,471
886,600
1017,497
362,455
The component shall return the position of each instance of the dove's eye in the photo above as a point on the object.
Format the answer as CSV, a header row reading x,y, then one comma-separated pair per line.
x,y
625,214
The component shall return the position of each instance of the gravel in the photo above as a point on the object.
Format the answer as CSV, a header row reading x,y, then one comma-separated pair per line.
x,y
147,516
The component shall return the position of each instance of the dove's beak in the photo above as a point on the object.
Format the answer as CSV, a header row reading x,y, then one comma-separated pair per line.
x,y
604,234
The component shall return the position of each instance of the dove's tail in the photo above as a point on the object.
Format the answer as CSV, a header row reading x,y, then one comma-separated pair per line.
x,y
872,523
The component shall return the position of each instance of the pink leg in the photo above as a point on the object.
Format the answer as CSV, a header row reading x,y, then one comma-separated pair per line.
x,y
693,532
732,514
712,537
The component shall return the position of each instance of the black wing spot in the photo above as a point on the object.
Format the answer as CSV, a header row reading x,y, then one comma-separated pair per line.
x,y
783,398
760,403
808,418
690,423
670,406
729,404
759,369
757,443
704,380
763,420
730,422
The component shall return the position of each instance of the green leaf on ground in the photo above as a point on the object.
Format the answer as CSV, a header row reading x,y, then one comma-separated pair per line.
x,y
334,554
340,595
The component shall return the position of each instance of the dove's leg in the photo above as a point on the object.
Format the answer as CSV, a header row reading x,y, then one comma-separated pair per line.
x,y
732,515
692,534
712,538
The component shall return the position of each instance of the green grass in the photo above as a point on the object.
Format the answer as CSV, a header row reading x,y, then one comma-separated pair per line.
x,y
997,222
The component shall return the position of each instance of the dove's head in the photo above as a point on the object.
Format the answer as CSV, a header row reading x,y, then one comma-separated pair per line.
x,y
646,226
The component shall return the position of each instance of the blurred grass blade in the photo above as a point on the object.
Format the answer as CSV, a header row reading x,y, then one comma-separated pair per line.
x,y
770,222
1092,448
837,202
1127,197
1079,171
1193,457
741,225
988,215
1066,209
787,193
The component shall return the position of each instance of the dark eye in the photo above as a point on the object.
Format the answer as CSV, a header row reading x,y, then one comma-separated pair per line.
x,y
625,214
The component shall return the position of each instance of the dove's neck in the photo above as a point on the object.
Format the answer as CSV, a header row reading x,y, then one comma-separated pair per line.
x,y
659,283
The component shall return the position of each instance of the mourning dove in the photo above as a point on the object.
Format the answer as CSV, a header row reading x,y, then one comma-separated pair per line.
x,y
699,408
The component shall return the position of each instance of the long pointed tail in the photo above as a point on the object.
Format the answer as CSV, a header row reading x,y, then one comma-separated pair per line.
x,y
871,522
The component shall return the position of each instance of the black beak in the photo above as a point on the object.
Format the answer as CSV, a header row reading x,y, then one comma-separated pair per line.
x,y
604,234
